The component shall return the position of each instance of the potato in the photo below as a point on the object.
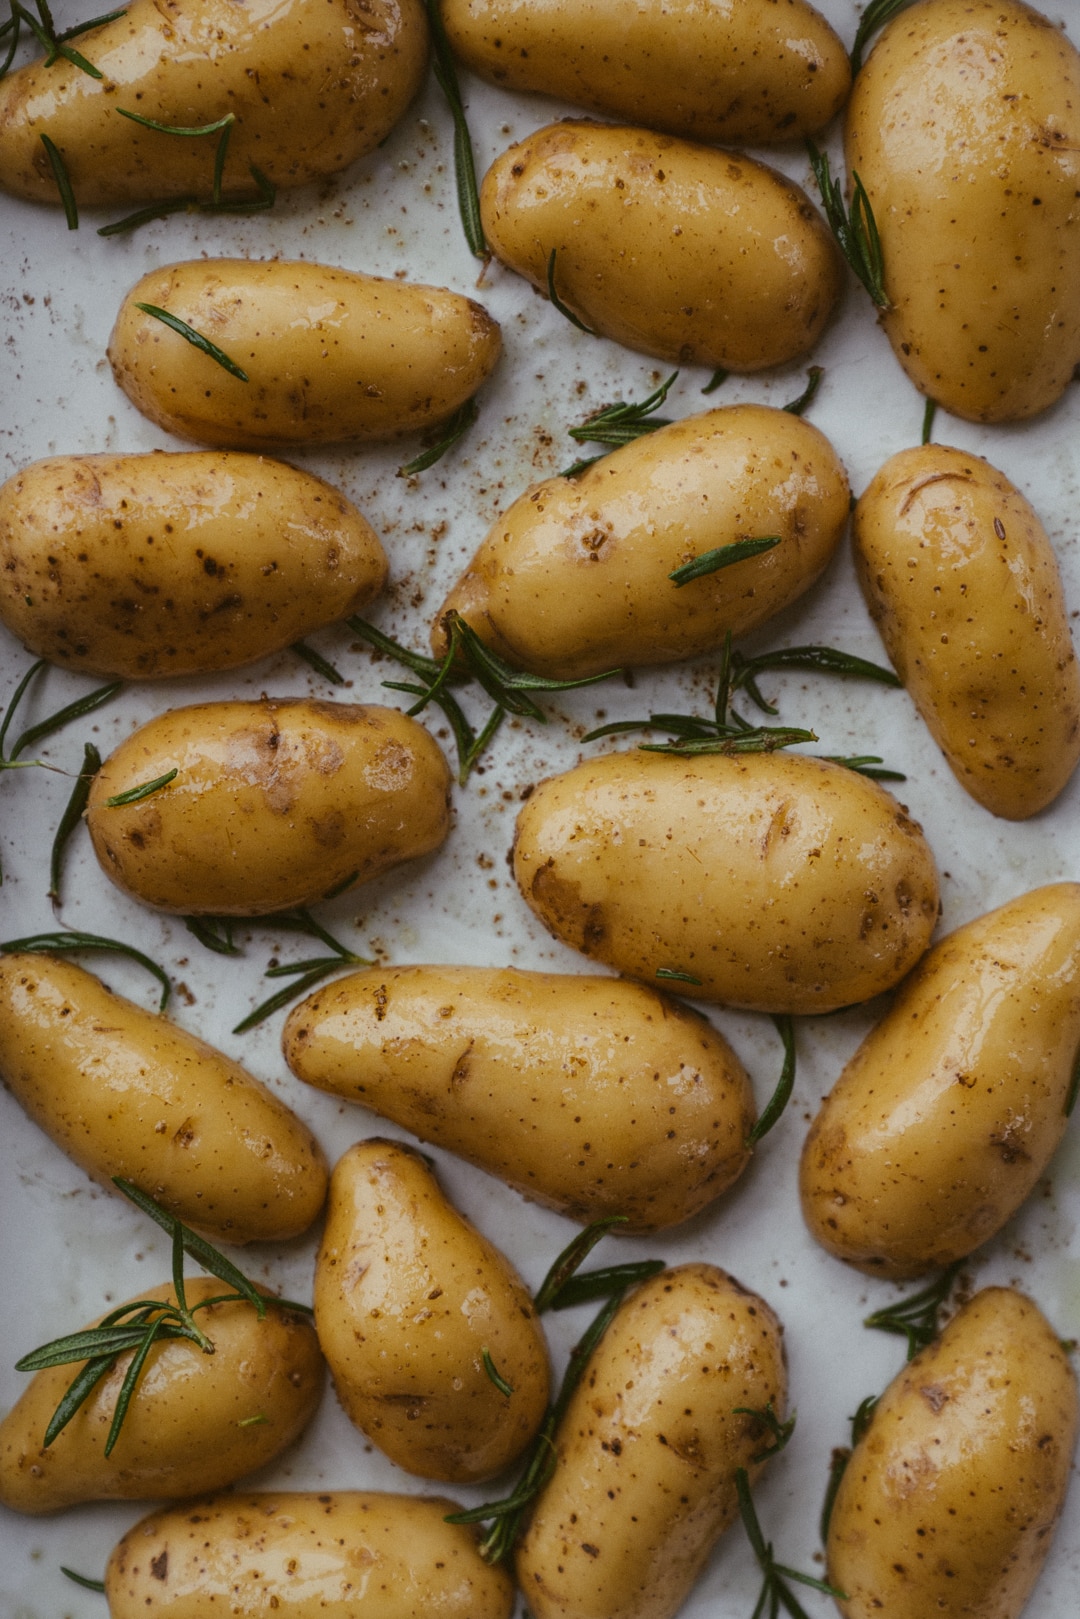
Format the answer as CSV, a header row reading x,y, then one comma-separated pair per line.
x,y
696,256
311,89
144,566
963,585
950,1499
329,355
648,1449
964,127
948,1114
574,577
409,1299
779,882
594,1096
274,804
124,1092
196,1422
758,73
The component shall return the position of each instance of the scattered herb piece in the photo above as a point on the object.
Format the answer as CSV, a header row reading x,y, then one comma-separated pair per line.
x,y
557,301
824,660
570,1259
453,429
72,816
722,557
83,1580
606,1281
928,420
492,1370
916,1318
622,423
224,125
63,183
674,973
305,974
839,1460
759,739
135,795
779,1433
781,1096
775,1593
264,200
316,661
857,232
196,339
464,164
866,764
717,380
215,933
806,398
68,943
876,15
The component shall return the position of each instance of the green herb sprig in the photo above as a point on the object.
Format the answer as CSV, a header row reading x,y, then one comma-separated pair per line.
x,y
494,1375
216,933
916,1317
70,943
564,309
464,163
928,421
145,789
72,817
777,1434
196,339
717,380
222,127
264,199
452,430
775,1590
799,406
856,231
839,1460
84,1580
781,1096
722,556
674,974
316,661
622,423
54,45
876,15
563,1286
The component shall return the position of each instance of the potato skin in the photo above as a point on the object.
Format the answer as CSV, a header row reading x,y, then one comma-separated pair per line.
x,y
348,1555
964,126
144,566
963,585
574,577
649,1447
331,356
949,1112
592,1095
711,71
408,1295
275,803
782,883
312,89
696,256
186,1429
950,1499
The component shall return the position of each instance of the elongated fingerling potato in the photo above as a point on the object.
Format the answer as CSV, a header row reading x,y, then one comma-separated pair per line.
x,y
328,355
144,566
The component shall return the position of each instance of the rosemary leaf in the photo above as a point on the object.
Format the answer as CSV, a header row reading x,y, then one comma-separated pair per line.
x,y
674,974
454,428
340,888
572,1256
214,933
622,423
760,739
144,216
200,1250
557,301
316,661
128,1386
418,662
781,1096
824,660
856,231
196,339
63,183
179,129
774,1592
71,817
70,943
837,1468
915,1318
135,795
717,380
494,1374
928,420
464,164
83,1580
505,680
77,1392
876,15
603,1282
722,557
291,992
85,27
13,27
866,764
63,716
806,398
577,467
779,1432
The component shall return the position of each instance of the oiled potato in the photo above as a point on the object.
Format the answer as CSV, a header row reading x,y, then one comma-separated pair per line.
x,y
964,127
728,72
648,1449
125,1092
273,804
574,577
409,1298
950,1499
778,882
347,1555
696,256
964,587
196,1422
949,1112
329,355
144,566
311,88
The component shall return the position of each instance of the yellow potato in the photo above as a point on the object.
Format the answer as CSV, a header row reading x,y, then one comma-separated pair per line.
x,y
144,566
723,71
409,1299
196,1422
592,1095
949,1502
648,1449
964,587
311,88
964,127
947,1115
696,256
274,804
329,355
574,577
778,882
124,1092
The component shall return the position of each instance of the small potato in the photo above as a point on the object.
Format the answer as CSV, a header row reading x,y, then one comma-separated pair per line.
x,y
124,1092
949,1502
346,1555
595,1096
949,1112
330,356
778,882
196,1421
574,577
964,587
696,256
144,566
648,1449
274,804
409,1298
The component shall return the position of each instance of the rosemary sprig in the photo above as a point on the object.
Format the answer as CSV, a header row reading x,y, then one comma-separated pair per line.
x,y
265,198
876,15
759,739
928,420
83,1580
775,1592
68,943
222,127
63,182
196,339
916,1317
72,817
779,1433
572,1257
856,232
53,44
797,407
316,661
454,428
145,789
723,556
823,660
838,1462
781,1096
509,686
557,301
464,164
305,974
496,1377
622,423
214,933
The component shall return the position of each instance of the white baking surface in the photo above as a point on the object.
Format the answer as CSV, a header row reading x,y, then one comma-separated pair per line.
x,y
66,1248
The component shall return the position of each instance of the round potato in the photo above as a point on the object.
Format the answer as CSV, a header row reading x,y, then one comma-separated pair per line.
x,y
723,72
272,804
964,587
415,1310
648,1449
696,256
144,566
310,88
575,577
196,1422
949,1502
328,355
964,127
774,881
